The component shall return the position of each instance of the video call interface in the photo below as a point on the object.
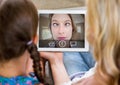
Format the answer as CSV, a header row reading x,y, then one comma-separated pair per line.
x,y
61,30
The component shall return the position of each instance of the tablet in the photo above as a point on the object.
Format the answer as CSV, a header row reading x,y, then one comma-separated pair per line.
x,y
62,30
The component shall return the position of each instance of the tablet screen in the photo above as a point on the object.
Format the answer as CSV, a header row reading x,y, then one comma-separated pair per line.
x,y
62,30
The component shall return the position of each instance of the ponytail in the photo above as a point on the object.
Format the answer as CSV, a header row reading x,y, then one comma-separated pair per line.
x,y
34,54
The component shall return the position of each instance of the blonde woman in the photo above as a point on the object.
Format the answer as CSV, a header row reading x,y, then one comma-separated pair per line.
x,y
103,22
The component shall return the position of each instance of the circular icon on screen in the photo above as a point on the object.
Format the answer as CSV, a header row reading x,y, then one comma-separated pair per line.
x,y
62,43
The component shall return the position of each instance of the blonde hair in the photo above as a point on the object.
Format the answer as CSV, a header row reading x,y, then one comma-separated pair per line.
x,y
104,17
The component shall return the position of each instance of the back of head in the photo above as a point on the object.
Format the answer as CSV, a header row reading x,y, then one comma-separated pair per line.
x,y
18,25
104,17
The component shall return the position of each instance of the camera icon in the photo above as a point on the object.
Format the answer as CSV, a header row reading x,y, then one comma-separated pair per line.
x,y
61,43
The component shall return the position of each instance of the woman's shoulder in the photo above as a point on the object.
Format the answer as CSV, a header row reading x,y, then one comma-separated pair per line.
x,y
88,81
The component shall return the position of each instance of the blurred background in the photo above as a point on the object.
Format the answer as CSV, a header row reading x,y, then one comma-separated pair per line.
x,y
59,4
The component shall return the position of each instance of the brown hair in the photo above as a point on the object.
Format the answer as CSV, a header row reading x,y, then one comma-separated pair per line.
x,y
18,25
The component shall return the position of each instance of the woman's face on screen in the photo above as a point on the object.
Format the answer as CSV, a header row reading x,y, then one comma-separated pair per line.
x,y
61,27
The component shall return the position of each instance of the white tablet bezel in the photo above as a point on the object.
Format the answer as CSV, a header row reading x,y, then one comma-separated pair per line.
x,y
66,11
